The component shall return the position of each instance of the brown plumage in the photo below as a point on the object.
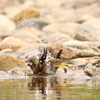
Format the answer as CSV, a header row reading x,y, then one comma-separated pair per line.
x,y
42,66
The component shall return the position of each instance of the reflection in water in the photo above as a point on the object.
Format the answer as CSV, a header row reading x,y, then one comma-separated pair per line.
x,y
50,88
44,84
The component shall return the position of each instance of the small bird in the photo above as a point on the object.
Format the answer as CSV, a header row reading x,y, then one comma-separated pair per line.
x,y
42,67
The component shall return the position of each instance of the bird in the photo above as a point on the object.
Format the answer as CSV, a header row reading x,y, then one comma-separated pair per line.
x,y
42,67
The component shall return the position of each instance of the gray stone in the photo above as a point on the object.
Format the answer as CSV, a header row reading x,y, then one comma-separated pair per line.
x,y
92,70
38,23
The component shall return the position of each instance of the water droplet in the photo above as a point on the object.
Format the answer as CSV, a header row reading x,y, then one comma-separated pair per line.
x,y
18,17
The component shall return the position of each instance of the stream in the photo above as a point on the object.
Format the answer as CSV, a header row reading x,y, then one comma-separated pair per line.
x,y
50,88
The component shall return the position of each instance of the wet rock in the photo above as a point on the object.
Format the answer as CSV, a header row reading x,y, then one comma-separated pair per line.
x,y
12,43
8,62
92,70
78,44
38,23
25,14
4,75
19,71
6,23
67,53
6,51
27,51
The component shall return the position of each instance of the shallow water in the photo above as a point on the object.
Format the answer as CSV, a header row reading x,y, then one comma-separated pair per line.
x,y
50,88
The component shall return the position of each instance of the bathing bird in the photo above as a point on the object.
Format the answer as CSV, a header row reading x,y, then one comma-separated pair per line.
x,y
45,67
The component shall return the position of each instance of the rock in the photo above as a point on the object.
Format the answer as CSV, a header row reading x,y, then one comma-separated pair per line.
x,y
12,43
27,51
28,34
61,14
3,75
93,25
82,37
81,33
8,62
75,31
26,3
78,44
88,53
96,44
59,27
19,71
48,4
25,14
11,11
6,51
38,23
67,53
57,38
50,18
92,70
78,61
96,12
6,24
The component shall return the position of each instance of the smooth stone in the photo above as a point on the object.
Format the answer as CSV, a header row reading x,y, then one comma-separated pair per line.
x,y
19,71
94,25
78,61
96,44
4,75
82,37
27,51
38,23
88,53
57,38
48,4
92,70
8,62
6,51
28,34
58,27
81,33
25,14
6,23
74,30
11,11
78,44
66,54
96,12
69,15
11,43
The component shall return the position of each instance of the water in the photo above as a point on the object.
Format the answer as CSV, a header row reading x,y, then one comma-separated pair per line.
x,y
50,88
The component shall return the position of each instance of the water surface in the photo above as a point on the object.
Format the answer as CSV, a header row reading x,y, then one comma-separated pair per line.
x,y
50,88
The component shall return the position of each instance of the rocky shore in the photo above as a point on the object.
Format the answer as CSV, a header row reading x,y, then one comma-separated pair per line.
x,y
26,27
